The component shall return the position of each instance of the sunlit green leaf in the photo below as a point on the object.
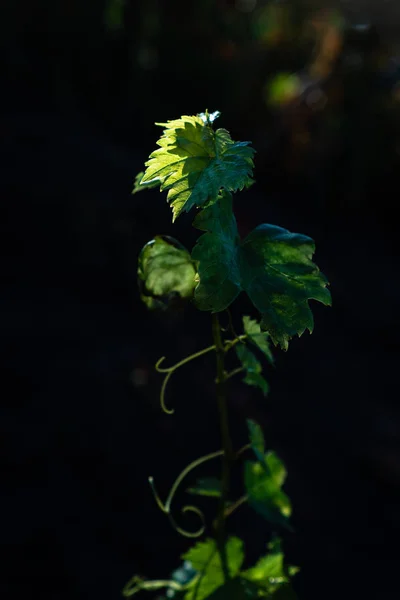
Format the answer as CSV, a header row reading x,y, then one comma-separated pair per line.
x,y
209,486
138,186
263,481
271,575
256,438
204,557
260,338
272,265
166,272
252,367
194,162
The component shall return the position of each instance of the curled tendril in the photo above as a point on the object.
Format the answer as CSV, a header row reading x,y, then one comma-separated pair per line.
x,y
166,507
169,371
190,534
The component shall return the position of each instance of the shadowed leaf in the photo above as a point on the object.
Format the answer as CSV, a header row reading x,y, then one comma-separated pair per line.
x,y
259,338
252,367
256,438
272,265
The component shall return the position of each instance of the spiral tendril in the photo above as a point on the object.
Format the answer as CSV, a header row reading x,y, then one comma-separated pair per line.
x,y
166,507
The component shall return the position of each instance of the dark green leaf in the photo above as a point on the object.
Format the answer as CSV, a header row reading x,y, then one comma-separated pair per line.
x,y
204,557
256,438
252,367
139,186
166,272
263,481
209,486
280,277
260,338
216,253
272,265
194,163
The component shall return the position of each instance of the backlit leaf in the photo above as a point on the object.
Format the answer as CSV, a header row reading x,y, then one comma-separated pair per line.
x,y
271,575
194,163
138,186
166,272
204,557
263,481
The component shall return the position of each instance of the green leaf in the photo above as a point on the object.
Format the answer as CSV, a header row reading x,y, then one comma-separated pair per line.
x,y
139,186
215,252
280,277
272,265
253,368
204,557
256,438
194,162
271,575
166,272
259,338
209,486
263,481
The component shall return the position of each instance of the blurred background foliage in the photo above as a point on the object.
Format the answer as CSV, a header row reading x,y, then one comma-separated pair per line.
x,y
315,85
317,79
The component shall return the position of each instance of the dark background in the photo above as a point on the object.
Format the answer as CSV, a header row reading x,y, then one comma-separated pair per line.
x,y
81,86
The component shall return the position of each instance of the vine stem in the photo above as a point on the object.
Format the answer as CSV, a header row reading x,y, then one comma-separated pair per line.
x,y
228,455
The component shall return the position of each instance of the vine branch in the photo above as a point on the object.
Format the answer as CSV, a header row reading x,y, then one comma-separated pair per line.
x,y
136,585
226,441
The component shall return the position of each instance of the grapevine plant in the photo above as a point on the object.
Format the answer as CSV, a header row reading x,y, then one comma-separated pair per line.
x,y
200,167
